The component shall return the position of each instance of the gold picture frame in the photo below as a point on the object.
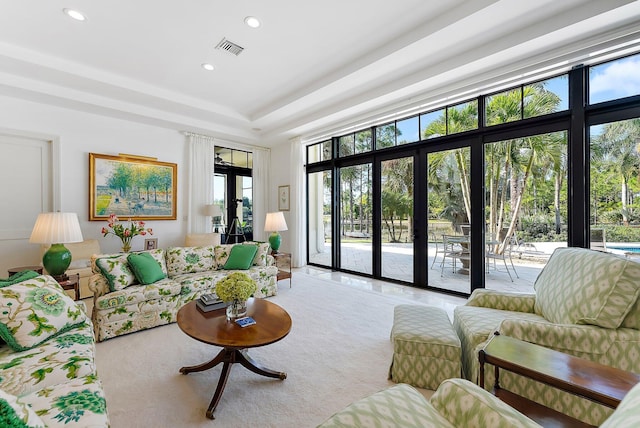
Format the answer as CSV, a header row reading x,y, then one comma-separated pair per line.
x,y
132,187
283,198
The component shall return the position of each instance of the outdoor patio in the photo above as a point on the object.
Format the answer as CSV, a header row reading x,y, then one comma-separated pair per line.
x,y
397,262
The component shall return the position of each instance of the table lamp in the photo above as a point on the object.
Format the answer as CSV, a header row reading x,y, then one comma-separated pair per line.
x,y
275,223
56,229
213,210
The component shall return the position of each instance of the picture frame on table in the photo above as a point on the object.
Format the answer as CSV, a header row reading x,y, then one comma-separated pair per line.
x,y
132,187
283,198
150,244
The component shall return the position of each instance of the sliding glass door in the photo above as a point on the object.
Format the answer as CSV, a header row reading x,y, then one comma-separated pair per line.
x,y
396,217
448,214
355,218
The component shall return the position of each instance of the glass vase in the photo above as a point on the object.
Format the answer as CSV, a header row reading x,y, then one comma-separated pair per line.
x,y
236,309
126,247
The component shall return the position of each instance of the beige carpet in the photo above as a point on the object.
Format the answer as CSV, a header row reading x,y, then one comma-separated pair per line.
x,y
338,351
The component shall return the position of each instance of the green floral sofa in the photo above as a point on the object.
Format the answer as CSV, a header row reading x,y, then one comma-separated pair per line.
x,y
122,304
585,304
47,369
457,403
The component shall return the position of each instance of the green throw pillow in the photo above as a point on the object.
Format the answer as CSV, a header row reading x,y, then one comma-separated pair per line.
x,y
241,257
36,310
18,277
145,267
116,270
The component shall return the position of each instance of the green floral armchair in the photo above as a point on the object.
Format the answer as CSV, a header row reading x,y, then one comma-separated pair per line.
x,y
585,304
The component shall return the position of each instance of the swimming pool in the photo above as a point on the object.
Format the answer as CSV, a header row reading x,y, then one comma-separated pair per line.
x,y
627,248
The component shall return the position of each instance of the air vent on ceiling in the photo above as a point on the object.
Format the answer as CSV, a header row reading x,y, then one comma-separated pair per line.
x,y
229,46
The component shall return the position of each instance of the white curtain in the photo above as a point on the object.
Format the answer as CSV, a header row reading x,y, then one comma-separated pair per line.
x,y
200,157
298,203
260,173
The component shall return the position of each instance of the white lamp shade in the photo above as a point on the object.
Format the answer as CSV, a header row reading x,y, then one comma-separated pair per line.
x,y
275,222
212,210
56,228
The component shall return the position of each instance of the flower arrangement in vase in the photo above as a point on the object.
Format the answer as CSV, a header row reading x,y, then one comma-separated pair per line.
x,y
125,233
236,289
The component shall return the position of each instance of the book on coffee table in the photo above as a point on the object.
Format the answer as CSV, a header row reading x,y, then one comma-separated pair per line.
x,y
218,304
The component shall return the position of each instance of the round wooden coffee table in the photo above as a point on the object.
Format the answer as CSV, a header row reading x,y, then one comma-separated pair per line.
x,y
272,324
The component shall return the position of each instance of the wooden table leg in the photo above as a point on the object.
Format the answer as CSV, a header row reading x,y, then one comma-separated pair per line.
x,y
222,382
249,363
220,358
229,356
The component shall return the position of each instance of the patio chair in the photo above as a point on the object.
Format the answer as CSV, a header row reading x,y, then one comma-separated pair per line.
x,y
439,249
598,240
506,254
453,249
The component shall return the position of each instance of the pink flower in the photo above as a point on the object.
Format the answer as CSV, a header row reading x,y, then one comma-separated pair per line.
x,y
127,232
141,223
150,231
143,233
104,230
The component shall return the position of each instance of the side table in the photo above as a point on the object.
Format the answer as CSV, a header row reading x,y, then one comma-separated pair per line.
x,y
588,379
15,270
283,263
72,283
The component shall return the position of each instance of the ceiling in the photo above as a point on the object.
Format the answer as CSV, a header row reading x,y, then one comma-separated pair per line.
x,y
311,69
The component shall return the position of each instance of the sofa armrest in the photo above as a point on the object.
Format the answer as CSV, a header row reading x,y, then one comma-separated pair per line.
x,y
98,285
586,341
465,404
517,302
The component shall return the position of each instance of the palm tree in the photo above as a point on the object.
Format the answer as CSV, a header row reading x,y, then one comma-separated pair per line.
x,y
618,146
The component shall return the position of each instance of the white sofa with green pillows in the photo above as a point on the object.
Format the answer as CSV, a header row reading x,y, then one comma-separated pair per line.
x,y
585,304
136,291
47,370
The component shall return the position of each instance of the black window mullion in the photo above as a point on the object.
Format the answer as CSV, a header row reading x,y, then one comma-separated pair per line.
x,y
578,162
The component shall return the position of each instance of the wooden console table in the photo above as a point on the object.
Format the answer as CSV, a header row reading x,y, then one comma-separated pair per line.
x,y
588,379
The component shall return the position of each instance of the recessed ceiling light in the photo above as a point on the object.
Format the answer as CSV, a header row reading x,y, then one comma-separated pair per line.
x,y
252,21
78,16
208,66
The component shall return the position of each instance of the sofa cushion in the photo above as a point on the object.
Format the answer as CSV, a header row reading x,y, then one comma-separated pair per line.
x,y
241,257
36,310
14,414
78,402
139,293
146,269
222,254
261,256
189,259
580,286
66,356
115,269
159,255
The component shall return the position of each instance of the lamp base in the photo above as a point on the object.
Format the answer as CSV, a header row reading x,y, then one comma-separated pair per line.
x,y
275,240
56,260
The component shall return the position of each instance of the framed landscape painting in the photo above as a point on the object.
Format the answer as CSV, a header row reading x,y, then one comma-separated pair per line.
x,y
131,187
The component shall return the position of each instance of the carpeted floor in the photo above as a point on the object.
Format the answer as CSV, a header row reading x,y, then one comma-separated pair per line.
x,y
338,351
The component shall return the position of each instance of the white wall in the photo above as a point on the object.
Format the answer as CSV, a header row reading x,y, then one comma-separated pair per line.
x,y
280,176
79,134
